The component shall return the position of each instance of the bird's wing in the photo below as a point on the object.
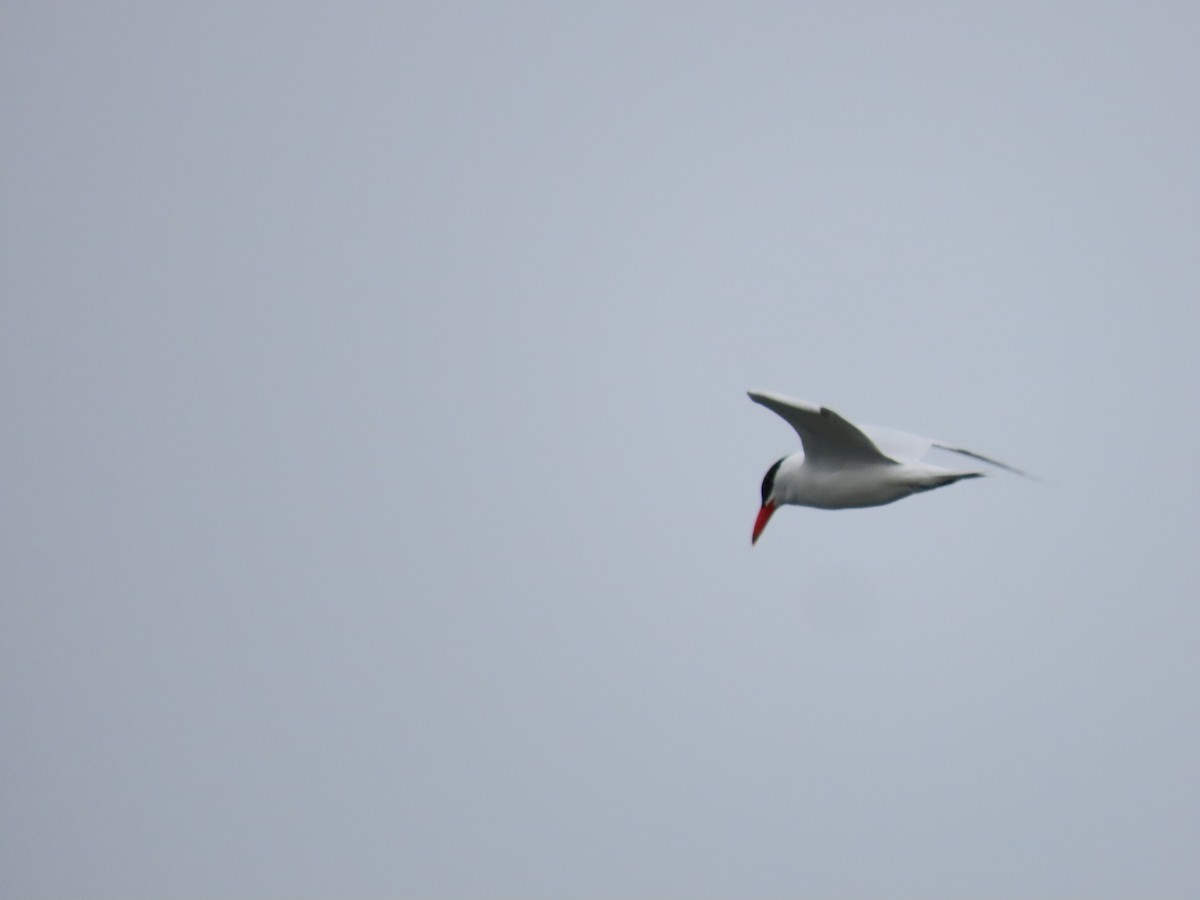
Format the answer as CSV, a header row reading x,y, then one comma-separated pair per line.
x,y
986,459
828,439
905,447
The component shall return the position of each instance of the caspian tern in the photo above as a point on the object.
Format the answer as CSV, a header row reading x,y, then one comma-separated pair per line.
x,y
844,466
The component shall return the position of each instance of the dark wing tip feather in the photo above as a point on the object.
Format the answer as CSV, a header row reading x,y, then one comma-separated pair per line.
x,y
989,461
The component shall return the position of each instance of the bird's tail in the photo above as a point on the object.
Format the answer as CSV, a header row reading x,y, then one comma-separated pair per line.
x,y
942,479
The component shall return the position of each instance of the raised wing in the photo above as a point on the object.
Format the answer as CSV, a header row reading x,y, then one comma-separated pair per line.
x,y
828,439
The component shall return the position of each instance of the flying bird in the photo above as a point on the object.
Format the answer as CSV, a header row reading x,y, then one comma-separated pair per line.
x,y
845,466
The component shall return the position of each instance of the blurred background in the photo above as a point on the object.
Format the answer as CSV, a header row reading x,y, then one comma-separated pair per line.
x,y
378,472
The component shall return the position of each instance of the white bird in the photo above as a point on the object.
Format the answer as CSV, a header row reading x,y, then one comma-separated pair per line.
x,y
844,466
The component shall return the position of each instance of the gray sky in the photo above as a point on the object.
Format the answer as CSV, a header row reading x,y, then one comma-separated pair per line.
x,y
378,474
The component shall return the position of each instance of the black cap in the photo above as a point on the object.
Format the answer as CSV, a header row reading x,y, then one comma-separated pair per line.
x,y
769,480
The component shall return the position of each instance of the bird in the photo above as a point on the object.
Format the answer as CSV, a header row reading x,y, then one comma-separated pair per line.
x,y
848,466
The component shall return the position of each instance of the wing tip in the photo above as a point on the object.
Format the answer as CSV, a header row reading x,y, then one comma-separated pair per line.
x,y
770,398
990,461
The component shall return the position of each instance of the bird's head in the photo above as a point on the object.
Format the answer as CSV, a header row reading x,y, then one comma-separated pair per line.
x,y
769,503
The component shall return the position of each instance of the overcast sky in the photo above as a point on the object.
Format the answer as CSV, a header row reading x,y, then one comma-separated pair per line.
x,y
378,475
